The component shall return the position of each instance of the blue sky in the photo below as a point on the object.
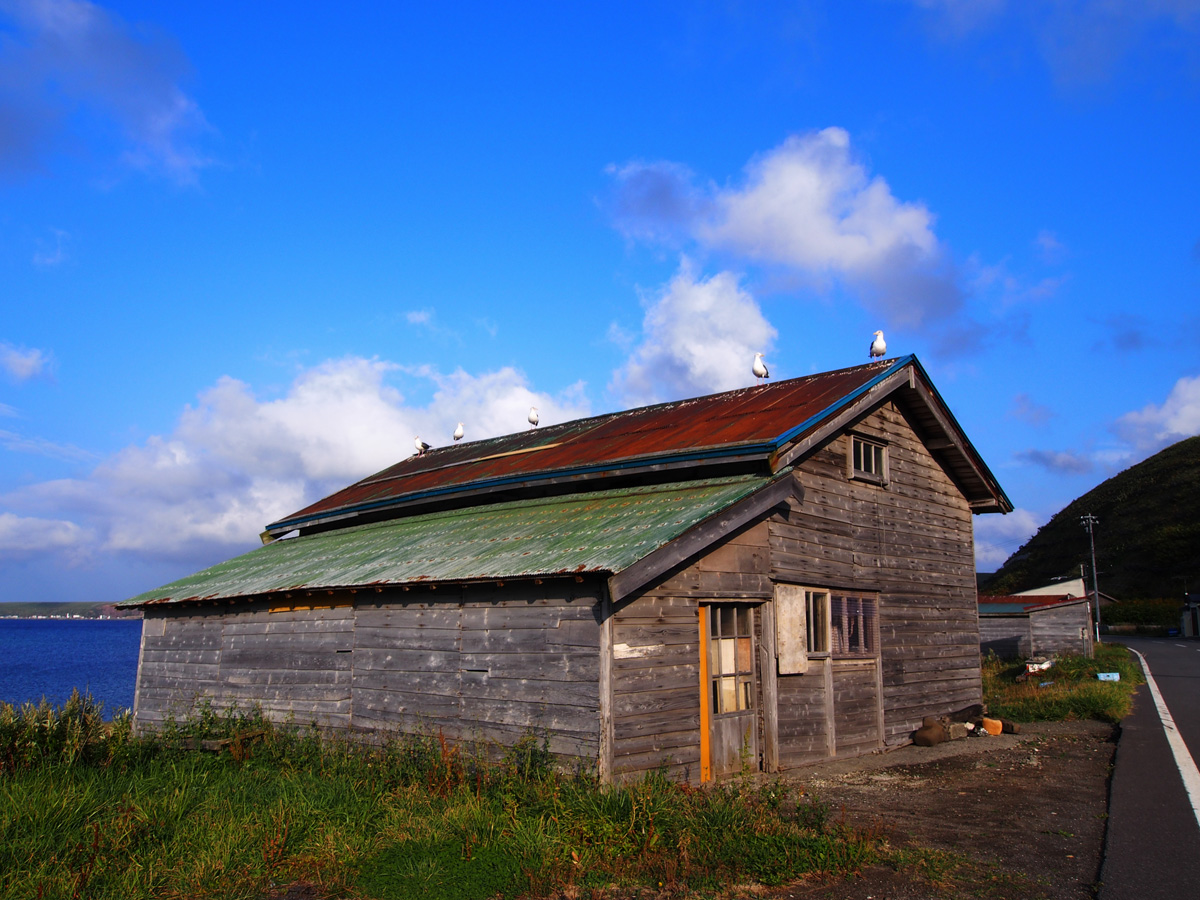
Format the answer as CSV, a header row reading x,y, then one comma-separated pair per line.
x,y
247,251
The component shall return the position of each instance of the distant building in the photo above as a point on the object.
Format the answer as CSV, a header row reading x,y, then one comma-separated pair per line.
x,y
1023,625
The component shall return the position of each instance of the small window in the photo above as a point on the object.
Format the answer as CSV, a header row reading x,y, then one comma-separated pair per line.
x,y
731,658
854,626
816,605
868,460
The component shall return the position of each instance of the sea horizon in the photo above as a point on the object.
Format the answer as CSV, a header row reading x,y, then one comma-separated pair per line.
x,y
48,658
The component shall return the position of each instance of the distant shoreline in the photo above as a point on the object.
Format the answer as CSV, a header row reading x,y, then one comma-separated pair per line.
x,y
49,609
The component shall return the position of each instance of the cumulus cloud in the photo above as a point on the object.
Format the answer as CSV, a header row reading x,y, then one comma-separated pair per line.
x,y
22,536
1155,426
23,363
1057,462
235,462
699,335
999,537
59,55
811,206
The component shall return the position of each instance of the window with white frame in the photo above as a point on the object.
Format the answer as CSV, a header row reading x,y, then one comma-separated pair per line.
x,y
868,459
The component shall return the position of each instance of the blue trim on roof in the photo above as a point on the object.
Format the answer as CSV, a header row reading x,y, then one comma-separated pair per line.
x,y
812,420
763,448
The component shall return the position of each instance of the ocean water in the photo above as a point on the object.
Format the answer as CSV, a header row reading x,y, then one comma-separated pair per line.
x,y
49,657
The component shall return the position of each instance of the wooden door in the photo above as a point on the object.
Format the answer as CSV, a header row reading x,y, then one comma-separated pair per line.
x,y
729,690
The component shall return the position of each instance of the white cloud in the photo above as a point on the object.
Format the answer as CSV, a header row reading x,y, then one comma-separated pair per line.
x,y
809,205
235,462
1153,427
22,363
698,336
997,537
60,54
25,536
20,443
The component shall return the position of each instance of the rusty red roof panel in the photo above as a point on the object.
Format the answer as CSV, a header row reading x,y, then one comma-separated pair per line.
x,y
747,421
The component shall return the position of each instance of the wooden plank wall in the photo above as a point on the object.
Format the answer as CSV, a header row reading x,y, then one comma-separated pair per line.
x,y
910,540
1006,636
856,706
1061,629
478,663
656,656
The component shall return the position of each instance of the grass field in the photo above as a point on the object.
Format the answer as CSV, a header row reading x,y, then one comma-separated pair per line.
x,y
88,810
1067,690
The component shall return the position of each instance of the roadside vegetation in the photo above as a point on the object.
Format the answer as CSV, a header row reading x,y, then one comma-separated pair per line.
x,y
88,810
1067,690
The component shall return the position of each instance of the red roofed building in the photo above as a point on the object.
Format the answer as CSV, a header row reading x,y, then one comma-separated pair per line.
x,y
774,575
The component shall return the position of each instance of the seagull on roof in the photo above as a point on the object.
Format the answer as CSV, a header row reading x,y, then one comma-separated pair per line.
x,y
458,432
420,445
878,346
760,368
532,417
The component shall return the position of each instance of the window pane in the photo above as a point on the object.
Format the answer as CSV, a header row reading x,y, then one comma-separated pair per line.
x,y
743,654
745,695
743,620
728,695
728,662
728,628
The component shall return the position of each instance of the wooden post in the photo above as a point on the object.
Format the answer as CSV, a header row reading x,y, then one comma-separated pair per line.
x,y
705,701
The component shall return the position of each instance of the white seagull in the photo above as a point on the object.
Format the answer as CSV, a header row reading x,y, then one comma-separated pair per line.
x,y
458,432
878,346
532,417
420,445
760,368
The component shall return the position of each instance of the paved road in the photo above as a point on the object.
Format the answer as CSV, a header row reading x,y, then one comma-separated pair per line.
x,y
1153,845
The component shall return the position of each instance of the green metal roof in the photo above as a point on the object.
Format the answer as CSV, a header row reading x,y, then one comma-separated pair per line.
x,y
600,531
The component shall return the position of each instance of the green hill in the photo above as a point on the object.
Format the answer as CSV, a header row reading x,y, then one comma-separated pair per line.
x,y
1147,540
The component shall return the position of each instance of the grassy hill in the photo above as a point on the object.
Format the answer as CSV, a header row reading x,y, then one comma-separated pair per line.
x,y
1147,541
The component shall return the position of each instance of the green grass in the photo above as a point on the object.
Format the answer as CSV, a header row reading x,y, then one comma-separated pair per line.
x,y
1074,692
89,810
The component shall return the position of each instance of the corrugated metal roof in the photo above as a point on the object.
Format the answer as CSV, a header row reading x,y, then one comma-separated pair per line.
x,y
1015,604
751,422
600,531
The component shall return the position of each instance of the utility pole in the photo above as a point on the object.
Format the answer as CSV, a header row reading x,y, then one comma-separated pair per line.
x,y
1089,522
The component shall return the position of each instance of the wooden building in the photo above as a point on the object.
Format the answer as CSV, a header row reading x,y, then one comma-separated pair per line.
x,y
756,579
1036,625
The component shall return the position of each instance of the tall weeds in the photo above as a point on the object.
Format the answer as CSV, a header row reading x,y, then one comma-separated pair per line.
x,y
1067,690
88,810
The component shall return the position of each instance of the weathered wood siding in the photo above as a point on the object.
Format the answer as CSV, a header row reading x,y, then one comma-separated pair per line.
x,y
656,655
1061,629
910,540
484,663
1006,636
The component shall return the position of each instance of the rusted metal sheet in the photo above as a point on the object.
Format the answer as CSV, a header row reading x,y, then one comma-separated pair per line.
x,y
747,423
596,532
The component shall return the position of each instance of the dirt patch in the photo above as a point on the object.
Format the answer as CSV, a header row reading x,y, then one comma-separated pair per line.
x,y
1006,817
